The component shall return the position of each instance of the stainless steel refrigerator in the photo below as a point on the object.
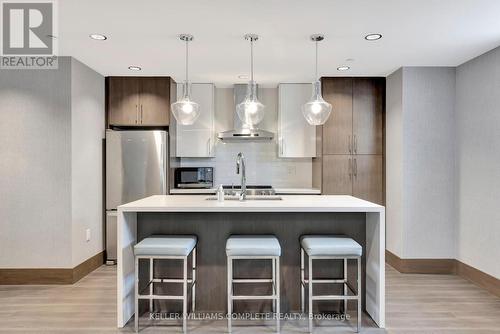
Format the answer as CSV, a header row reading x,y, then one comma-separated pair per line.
x,y
136,167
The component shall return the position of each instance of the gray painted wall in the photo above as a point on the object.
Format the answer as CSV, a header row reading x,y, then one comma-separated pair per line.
x,y
429,162
394,162
36,168
421,211
87,132
478,162
443,132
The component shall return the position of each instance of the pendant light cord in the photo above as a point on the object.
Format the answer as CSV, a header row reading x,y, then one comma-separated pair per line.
x,y
187,64
316,68
251,60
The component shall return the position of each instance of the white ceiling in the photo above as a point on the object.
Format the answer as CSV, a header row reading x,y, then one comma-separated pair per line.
x,y
145,33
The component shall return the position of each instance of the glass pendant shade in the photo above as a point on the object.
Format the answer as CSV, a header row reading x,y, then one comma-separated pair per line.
x,y
185,111
250,110
317,110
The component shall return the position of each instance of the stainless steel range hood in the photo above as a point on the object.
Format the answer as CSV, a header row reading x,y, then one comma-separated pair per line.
x,y
240,131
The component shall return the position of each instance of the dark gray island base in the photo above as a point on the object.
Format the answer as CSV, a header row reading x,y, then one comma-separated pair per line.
x,y
213,229
213,222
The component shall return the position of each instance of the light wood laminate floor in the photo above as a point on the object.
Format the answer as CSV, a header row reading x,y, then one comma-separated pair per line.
x,y
415,304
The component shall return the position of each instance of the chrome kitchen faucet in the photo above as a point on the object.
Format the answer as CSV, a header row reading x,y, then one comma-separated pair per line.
x,y
240,164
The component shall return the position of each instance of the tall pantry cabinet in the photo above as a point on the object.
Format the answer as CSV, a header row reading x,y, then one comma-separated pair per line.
x,y
351,142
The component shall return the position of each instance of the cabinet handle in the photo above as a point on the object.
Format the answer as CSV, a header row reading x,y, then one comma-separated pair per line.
x,y
281,146
355,168
355,144
209,148
136,114
350,169
141,113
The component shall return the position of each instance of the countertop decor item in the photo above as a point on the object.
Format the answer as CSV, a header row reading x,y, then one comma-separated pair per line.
x,y
316,110
185,111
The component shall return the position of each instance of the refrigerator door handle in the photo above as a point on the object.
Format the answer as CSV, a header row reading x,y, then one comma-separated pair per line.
x,y
164,168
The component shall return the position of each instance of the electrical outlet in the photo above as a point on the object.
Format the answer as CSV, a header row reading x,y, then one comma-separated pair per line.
x,y
87,234
290,170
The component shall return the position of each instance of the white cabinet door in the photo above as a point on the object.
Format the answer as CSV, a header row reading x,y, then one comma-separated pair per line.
x,y
296,137
197,140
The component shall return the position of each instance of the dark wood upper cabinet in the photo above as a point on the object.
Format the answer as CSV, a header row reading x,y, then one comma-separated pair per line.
x,y
337,131
367,115
138,101
123,100
155,101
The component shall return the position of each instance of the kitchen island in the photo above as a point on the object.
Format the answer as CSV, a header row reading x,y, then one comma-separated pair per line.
x,y
288,218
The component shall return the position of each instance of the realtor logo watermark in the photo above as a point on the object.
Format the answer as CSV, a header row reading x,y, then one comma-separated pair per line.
x,y
28,35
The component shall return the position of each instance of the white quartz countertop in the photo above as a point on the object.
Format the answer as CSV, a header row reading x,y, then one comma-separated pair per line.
x,y
289,203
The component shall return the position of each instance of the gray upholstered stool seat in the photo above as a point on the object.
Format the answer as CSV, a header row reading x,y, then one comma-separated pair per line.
x,y
167,245
165,248
334,245
253,245
329,247
259,248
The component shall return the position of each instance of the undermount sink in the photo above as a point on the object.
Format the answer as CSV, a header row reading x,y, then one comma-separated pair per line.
x,y
248,198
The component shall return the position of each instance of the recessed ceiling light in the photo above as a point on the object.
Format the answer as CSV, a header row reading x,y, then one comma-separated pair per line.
x,y
243,76
98,37
134,68
373,37
343,68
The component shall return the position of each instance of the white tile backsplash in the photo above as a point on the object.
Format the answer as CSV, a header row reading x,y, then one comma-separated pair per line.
x,y
263,167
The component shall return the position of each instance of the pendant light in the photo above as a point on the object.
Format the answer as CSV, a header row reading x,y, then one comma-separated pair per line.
x,y
317,110
251,111
185,111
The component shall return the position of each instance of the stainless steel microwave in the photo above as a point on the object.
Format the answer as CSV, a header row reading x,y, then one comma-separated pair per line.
x,y
194,177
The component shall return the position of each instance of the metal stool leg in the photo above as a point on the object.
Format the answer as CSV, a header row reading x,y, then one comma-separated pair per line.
x,y
274,282
136,316
229,292
193,284
359,294
302,288
184,298
310,295
151,284
277,284
345,285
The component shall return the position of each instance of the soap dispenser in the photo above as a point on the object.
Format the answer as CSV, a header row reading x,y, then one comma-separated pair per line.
x,y
220,193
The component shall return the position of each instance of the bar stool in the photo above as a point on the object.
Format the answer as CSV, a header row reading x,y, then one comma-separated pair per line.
x,y
258,247
166,247
329,247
